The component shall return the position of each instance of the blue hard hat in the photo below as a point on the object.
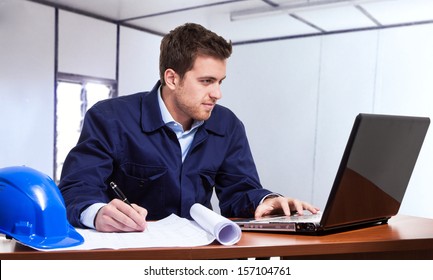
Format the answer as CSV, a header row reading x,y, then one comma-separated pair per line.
x,y
33,211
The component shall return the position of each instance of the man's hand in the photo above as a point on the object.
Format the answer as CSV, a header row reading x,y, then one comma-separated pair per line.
x,y
117,216
283,205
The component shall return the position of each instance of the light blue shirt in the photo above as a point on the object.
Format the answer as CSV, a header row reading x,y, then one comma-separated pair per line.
x,y
185,138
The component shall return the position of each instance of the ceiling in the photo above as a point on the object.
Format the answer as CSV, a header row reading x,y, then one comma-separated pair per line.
x,y
255,20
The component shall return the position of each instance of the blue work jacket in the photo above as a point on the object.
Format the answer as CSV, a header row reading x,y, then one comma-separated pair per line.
x,y
125,140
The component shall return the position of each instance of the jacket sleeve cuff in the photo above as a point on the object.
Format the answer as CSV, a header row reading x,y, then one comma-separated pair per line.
x,y
88,216
269,196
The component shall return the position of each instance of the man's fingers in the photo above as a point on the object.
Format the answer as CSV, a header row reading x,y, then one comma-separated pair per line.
x,y
279,205
119,216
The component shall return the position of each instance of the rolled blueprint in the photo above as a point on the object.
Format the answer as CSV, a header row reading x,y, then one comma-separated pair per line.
x,y
224,230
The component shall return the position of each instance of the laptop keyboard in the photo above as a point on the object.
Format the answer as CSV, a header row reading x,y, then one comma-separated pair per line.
x,y
293,218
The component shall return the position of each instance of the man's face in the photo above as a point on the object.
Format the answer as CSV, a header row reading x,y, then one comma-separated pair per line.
x,y
198,92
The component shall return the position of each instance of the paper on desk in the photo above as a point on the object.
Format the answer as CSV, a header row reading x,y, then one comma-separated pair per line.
x,y
172,231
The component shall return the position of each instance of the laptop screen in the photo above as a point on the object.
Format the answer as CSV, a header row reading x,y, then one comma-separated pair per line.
x,y
375,169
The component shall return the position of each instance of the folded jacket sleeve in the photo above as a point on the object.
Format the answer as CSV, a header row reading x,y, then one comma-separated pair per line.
x,y
89,165
238,185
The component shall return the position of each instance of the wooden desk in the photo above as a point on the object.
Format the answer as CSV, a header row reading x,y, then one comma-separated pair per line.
x,y
405,237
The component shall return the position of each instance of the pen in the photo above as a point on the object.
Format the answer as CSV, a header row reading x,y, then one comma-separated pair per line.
x,y
119,193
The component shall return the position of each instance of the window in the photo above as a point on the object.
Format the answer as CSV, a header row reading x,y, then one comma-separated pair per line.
x,y
74,96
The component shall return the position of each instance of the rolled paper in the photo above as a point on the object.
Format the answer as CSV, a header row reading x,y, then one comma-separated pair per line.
x,y
225,231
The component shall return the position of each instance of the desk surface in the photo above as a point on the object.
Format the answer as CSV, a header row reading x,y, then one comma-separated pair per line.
x,y
404,237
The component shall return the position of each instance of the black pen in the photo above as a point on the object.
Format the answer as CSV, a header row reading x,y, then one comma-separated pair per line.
x,y
119,193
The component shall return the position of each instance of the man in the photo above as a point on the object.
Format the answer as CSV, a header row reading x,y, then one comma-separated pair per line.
x,y
168,148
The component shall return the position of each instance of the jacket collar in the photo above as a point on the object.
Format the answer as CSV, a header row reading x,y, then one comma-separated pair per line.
x,y
151,118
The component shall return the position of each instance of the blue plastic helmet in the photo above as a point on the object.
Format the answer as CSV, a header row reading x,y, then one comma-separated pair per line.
x,y
33,211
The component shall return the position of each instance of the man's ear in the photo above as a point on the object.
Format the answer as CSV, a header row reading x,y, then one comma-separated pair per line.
x,y
171,78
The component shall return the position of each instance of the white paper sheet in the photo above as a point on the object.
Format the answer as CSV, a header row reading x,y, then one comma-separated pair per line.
x,y
172,231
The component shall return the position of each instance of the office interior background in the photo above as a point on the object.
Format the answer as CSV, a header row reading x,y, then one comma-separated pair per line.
x,y
299,74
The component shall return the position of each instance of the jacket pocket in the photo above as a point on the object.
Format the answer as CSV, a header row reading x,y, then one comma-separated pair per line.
x,y
141,175
145,185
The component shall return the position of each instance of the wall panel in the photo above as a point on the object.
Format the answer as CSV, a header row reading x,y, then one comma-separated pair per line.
x,y
272,87
347,82
27,85
138,61
87,46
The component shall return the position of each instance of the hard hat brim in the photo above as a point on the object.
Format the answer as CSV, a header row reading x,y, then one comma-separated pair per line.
x,y
71,239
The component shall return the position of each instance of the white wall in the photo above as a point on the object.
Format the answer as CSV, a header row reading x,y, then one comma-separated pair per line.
x,y
277,101
26,85
138,61
347,72
87,46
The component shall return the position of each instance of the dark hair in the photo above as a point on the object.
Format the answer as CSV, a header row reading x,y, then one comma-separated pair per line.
x,y
181,46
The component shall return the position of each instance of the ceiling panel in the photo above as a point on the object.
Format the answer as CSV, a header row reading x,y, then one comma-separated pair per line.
x,y
165,22
125,9
218,19
337,18
401,11
252,20
260,28
151,7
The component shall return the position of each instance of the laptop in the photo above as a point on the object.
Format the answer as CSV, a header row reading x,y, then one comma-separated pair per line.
x,y
371,180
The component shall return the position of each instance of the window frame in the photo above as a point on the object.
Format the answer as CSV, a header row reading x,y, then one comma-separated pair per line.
x,y
82,80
